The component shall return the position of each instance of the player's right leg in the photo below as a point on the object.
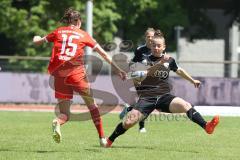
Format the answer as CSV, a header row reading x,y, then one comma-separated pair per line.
x,y
126,109
140,110
132,118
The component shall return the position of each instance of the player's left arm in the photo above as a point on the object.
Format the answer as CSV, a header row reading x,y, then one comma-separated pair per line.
x,y
107,58
89,41
181,72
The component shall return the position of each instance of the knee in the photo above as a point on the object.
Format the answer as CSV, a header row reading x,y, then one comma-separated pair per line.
x,y
64,102
64,117
187,106
63,107
128,124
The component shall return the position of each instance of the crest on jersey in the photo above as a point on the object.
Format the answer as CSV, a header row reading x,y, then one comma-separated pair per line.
x,y
166,64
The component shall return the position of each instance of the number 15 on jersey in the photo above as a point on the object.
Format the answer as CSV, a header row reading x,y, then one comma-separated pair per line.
x,y
70,50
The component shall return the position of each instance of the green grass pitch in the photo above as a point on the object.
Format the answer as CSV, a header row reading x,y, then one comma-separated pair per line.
x,y
27,135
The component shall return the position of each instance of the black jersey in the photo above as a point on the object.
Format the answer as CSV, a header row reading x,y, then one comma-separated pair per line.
x,y
140,53
157,84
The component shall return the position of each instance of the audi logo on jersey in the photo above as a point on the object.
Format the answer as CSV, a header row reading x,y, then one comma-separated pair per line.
x,y
161,74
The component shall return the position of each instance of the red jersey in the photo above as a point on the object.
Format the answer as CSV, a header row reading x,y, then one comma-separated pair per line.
x,y
68,50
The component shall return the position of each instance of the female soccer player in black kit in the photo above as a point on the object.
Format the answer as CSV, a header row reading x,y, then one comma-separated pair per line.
x,y
155,93
139,54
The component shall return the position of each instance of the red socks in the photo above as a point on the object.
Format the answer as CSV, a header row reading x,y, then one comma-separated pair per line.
x,y
96,119
62,118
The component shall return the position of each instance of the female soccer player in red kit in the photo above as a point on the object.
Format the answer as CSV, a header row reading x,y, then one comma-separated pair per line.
x,y
67,67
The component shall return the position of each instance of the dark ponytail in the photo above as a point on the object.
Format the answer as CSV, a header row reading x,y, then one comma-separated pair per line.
x,y
70,16
158,33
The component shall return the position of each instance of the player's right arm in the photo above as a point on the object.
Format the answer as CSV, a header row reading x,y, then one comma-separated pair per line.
x,y
37,40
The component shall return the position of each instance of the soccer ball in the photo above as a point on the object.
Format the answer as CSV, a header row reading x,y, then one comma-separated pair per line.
x,y
137,75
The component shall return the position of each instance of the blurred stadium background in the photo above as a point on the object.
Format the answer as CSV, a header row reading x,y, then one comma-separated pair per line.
x,y
204,37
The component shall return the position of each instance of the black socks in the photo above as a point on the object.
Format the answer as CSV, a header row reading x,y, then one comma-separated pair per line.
x,y
196,117
119,130
141,124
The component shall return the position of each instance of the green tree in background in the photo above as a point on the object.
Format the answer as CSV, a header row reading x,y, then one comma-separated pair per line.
x,y
233,8
137,16
127,19
18,25
200,24
42,16
20,20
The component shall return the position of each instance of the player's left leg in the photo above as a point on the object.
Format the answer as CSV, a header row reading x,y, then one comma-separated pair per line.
x,y
178,105
142,128
94,111
95,114
81,85
64,95
64,109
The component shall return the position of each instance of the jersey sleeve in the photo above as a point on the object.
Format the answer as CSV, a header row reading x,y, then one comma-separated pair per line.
x,y
137,56
173,65
51,36
89,41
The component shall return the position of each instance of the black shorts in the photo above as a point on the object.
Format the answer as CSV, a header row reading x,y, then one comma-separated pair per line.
x,y
147,104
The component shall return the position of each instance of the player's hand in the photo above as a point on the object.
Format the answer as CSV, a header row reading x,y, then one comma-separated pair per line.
x,y
122,74
37,39
196,83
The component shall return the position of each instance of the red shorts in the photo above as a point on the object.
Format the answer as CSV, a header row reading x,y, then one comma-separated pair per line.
x,y
65,86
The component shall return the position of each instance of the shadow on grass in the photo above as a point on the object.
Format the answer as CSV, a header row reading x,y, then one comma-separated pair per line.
x,y
95,150
153,148
98,149
33,151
